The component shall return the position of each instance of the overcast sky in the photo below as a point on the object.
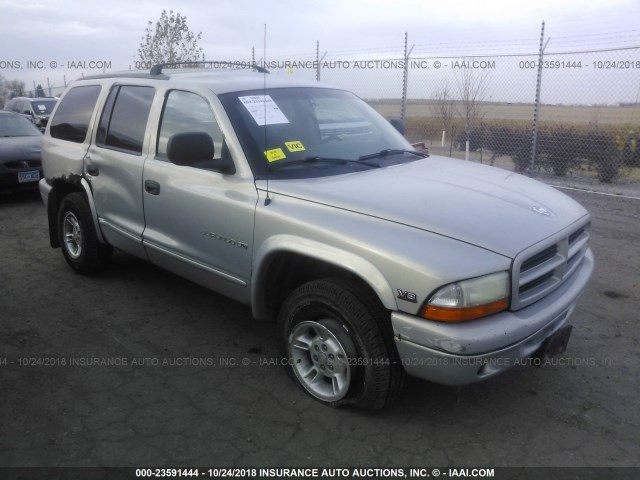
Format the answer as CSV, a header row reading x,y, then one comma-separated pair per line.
x,y
62,31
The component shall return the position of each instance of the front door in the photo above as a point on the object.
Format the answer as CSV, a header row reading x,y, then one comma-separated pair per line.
x,y
199,222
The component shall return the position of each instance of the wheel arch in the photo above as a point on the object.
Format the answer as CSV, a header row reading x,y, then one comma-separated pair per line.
x,y
62,187
285,262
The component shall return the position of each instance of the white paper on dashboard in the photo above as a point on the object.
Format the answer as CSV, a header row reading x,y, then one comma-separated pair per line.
x,y
263,109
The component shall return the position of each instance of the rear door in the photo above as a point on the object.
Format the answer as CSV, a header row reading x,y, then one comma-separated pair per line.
x,y
115,161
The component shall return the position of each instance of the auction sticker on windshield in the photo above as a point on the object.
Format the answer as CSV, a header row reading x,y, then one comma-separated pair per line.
x,y
275,154
295,146
263,109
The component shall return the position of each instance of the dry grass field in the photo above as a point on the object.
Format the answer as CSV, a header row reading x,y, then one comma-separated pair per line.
x,y
563,131
565,114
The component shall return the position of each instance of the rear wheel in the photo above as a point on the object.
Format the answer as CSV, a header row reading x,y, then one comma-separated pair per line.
x,y
78,239
339,344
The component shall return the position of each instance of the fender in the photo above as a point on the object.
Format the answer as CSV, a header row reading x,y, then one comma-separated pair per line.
x,y
51,199
360,267
92,206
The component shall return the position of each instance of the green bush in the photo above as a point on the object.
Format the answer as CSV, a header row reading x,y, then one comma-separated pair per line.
x,y
627,142
514,142
560,149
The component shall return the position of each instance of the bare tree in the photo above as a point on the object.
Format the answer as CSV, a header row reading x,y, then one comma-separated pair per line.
x,y
444,106
16,88
170,40
3,92
472,92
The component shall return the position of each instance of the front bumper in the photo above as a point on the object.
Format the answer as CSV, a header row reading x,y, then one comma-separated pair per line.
x,y
45,190
459,354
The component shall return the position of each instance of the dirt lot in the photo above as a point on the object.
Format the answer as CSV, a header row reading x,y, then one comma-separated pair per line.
x,y
157,408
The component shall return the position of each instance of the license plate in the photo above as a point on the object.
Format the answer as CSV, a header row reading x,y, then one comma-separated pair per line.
x,y
26,177
555,345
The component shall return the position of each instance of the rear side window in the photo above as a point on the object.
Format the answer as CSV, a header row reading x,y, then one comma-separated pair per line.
x,y
71,121
124,118
14,106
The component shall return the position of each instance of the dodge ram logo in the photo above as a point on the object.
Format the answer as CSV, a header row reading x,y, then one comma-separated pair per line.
x,y
541,210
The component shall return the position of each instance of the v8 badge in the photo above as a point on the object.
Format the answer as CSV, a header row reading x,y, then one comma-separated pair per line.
x,y
407,296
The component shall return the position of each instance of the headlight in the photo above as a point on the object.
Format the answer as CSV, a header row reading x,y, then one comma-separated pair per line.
x,y
469,299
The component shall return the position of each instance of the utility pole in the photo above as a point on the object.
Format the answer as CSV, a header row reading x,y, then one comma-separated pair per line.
x,y
319,60
536,110
405,76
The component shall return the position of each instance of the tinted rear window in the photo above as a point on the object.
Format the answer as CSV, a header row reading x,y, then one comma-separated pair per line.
x,y
71,121
128,120
43,107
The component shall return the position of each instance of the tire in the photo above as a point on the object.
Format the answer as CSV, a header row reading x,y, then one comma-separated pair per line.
x,y
78,239
339,344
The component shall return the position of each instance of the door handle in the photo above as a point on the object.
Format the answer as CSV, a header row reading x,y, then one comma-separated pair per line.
x,y
93,170
152,187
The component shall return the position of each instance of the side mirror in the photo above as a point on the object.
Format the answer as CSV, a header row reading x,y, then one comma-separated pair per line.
x,y
188,148
397,124
222,165
195,149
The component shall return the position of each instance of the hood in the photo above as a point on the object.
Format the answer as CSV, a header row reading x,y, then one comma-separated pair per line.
x,y
485,206
20,148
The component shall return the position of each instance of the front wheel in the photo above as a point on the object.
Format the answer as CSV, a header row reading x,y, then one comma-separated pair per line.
x,y
78,239
339,344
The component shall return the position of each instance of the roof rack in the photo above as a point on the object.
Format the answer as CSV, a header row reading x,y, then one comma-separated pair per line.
x,y
157,69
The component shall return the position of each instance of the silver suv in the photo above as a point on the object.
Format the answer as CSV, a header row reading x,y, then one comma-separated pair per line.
x,y
298,199
37,110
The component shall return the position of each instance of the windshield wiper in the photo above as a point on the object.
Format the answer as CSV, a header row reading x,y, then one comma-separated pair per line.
x,y
279,165
392,151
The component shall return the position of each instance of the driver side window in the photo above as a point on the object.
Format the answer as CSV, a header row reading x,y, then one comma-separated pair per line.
x,y
187,112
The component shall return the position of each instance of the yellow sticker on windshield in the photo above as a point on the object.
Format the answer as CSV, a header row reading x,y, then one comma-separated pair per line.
x,y
295,146
274,155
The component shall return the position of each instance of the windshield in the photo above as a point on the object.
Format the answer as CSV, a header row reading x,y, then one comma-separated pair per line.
x,y
43,107
16,126
311,131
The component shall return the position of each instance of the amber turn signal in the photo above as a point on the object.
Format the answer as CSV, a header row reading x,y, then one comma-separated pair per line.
x,y
443,314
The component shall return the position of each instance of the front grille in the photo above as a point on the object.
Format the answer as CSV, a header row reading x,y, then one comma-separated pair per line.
x,y
540,270
534,283
539,258
575,235
20,164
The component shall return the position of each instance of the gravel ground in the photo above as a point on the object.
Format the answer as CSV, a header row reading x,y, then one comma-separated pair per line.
x,y
159,409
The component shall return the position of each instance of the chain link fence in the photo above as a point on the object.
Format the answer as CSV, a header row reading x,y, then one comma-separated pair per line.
x,y
483,107
588,115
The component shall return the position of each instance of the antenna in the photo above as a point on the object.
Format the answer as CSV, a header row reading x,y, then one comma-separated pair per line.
x,y
267,200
